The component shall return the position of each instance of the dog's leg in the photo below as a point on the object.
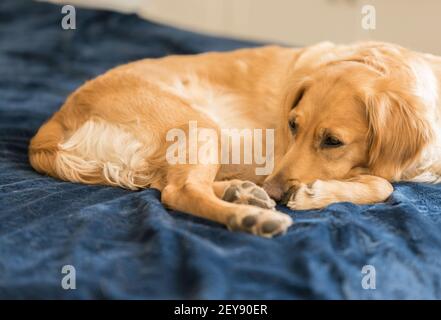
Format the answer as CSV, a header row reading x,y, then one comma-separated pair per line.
x,y
191,189
363,189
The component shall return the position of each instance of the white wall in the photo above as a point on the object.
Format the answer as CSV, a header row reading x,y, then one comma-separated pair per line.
x,y
411,23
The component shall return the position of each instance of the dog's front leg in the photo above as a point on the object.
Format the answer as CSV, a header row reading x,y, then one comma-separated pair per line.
x,y
191,189
363,189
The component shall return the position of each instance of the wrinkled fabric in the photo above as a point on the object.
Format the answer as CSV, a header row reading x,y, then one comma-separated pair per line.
x,y
125,244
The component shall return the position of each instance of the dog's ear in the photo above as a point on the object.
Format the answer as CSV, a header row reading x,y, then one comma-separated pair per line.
x,y
397,131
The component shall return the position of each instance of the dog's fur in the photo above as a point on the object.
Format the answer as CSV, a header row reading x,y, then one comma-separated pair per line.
x,y
348,121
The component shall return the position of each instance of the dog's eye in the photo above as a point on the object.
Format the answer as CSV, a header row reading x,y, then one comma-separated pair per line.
x,y
331,142
293,126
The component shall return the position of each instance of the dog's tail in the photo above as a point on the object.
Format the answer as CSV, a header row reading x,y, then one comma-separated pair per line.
x,y
95,153
44,147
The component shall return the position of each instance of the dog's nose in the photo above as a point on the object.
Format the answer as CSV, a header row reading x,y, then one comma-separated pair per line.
x,y
288,194
273,189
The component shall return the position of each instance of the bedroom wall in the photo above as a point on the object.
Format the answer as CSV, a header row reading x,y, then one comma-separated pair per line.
x,y
413,24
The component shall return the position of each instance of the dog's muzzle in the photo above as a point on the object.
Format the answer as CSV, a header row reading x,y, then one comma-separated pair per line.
x,y
276,192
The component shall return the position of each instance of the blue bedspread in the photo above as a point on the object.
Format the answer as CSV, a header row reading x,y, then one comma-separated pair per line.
x,y
124,244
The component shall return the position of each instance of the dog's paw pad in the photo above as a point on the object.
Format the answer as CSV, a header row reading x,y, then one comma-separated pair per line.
x,y
249,221
248,193
231,194
270,226
247,184
265,223
260,194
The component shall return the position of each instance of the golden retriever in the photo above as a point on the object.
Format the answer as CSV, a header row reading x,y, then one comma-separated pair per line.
x,y
341,122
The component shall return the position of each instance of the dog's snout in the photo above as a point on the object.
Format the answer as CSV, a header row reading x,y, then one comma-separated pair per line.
x,y
279,192
273,189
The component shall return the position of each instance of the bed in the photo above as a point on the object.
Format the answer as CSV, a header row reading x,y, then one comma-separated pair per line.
x,y
126,245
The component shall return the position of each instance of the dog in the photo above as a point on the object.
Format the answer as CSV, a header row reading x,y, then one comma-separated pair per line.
x,y
348,120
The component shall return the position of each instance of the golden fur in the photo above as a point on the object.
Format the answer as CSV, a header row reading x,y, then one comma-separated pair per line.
x,y
348,121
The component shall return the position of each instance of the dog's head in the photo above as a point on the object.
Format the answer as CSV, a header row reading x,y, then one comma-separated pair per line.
x,y
362,110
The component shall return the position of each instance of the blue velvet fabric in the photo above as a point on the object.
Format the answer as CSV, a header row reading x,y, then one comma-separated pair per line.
x,y
124,244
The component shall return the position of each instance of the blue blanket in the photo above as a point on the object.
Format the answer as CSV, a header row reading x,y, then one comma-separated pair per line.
x,y
124,244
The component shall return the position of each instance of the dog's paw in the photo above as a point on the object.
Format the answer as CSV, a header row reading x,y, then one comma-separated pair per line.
x,y
246,192
261,222
310,196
